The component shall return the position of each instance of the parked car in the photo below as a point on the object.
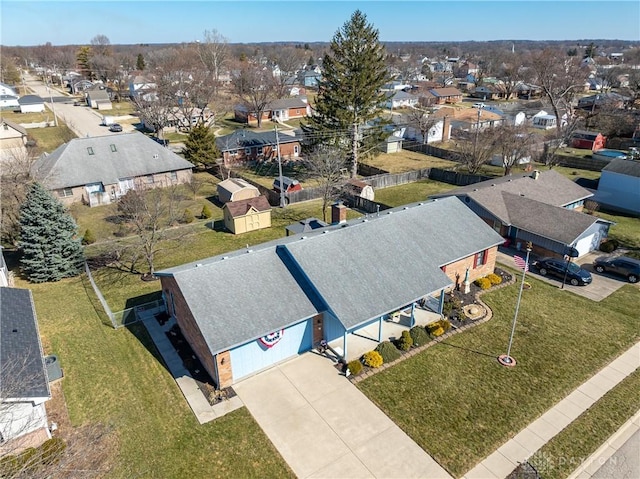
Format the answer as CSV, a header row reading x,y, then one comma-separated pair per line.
x,y
115,127
289,184
479,105
620,265
559,268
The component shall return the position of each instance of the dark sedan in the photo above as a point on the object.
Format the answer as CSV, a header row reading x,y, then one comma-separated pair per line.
x,y
560,269
115,127
621,265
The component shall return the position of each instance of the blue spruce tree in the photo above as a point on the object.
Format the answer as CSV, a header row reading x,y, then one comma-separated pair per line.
x,y
51,248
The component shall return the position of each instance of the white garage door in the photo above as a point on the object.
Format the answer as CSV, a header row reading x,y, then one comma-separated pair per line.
x,y
260,354
584,245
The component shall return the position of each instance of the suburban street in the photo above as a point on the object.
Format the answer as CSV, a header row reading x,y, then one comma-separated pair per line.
x,y
82,120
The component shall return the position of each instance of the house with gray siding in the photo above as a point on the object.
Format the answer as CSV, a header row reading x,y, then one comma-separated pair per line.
x,y
283,297
619,186
544,208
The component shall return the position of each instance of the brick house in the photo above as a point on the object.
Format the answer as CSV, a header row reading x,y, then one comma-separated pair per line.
x,y
100,170
446,95
395,259
243,146
282,109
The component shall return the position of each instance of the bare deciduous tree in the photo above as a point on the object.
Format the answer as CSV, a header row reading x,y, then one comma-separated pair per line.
x,y
513,144
254,85
423,121
14,183
326,165
214,53
476,149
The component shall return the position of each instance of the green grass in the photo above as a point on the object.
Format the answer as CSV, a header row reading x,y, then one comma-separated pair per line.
x,y
50,138
459,404
626,229
574,444
119,109
406,160
18,117
411,192
114,377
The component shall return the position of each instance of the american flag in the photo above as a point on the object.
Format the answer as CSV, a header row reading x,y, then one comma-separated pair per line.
x,y
521,263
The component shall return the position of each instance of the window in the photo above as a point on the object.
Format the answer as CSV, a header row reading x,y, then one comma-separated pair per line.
x,y
260,152
480,259
113,148
149,179
174,176
90,150
65,192
247,151
296,149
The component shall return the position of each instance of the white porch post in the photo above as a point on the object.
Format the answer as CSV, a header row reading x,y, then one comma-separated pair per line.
x,y
413,318
344,343
380,329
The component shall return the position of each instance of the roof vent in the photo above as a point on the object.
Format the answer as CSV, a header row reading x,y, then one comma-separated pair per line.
x,y
324,232
365,220
14,331
420,204
405,208
155,156
493,184
113,147
249,251
198,265
521,194
90,150
475,189
303,237
225,257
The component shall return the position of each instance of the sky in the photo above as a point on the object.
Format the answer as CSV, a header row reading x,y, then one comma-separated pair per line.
x,y
157,21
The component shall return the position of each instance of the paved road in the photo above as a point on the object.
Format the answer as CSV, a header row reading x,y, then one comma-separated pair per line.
x,y
82,120
625,462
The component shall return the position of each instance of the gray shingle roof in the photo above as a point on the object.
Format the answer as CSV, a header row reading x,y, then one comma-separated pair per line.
x,y
359,271
136,155
550,187
22,369
30,100
624,167
248,139
284,103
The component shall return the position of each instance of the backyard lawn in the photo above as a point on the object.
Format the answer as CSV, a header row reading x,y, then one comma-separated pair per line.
x,y
459,404
407,161
411,192
114,377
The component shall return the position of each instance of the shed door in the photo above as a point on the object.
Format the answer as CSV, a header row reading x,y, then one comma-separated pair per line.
x,y
254,356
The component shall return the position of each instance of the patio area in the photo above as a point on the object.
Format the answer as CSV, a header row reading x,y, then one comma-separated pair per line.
x,y
366,338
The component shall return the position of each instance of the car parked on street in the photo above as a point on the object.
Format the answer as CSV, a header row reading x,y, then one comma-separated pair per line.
x,y
479,105
619,265
561,268
117,127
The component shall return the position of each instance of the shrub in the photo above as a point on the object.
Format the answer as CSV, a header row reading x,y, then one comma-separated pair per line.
x,y
436,331
484,283
372,359
206,212
451,303
89,237
419,335
609,246
188,216
355,367
388,351
494,278
405,342
445,324
438,328
52,450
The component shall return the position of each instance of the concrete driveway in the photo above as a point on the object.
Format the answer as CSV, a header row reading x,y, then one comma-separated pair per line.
x,y
323,426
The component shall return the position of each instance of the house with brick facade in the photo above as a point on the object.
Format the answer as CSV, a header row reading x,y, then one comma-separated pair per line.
x,y
283,297
243,146
446,95
544,208
99,170
279,110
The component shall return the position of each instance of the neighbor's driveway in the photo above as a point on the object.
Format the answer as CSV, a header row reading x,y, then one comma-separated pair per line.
x,y
323,426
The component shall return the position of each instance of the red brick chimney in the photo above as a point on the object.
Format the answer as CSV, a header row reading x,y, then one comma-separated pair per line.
x,y
338,213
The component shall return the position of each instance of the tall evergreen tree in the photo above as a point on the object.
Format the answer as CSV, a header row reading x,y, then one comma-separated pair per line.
x,y
140,62
48,238
350,95
200,146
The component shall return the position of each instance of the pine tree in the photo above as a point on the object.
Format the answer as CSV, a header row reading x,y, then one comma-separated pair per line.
x,y
48,238
140,62
200,146
350,95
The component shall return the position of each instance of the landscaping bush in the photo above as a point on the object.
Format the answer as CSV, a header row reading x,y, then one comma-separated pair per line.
x,y
372,359
419,335
451,304
446,324
438,328
494,278
609,246
188,216
355,367
388,351
52,450
89,237
405,342
206,212
484,283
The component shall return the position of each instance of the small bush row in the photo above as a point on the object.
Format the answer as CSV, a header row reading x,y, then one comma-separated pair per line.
x,y
32,459
488,281
438,328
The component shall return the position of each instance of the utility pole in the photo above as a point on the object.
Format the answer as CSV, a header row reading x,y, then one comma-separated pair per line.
x,y
354,152
282,200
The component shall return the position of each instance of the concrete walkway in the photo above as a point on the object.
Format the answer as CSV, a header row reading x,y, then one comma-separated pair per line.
x,y
517,450
203,411
323,426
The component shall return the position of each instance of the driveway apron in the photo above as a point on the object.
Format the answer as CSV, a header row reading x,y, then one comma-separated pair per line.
x,y
323,426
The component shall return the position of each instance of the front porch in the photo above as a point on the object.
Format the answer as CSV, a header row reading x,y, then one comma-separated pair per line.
x,y
354,344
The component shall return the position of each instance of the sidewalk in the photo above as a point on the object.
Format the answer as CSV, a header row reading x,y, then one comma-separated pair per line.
x,y
517,450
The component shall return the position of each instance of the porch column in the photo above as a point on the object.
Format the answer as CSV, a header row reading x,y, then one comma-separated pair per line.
x,y
413,319
441,302
380,329
344,343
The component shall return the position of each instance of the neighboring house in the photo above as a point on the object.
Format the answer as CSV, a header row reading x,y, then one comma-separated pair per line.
x,y
546,121
610,100
100,170
99,99
245,145
13,140
400,99
439,131
143,87
446,95
469,119
516,119
23,376
235,189
5,279
309,78
619,186
79,85
31,104
282,298
490,92
526,91
7,90
9,102
247,215
541,207
278,110
589,140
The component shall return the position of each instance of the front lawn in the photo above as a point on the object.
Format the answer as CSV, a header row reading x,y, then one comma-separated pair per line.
x,y
626,229
50,138
459,404
115,377
411,192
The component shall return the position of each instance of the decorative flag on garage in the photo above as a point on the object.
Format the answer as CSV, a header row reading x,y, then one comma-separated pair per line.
x,y
272,339
521,263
